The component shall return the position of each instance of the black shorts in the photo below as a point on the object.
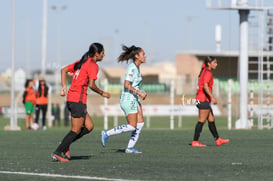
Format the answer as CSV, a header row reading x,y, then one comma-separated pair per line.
x,y
77,109
203,105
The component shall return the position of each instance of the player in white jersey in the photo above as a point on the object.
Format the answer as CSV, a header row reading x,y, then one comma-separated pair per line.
x,y
129,100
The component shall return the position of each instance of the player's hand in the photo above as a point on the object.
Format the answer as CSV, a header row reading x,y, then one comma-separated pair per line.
x,y
106,95
143,95
63,91
213,100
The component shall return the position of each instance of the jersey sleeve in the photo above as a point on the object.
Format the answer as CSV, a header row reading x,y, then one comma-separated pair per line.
x,y
129,74
71,67
93,71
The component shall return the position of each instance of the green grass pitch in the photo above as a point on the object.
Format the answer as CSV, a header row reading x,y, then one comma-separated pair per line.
x,y
167,155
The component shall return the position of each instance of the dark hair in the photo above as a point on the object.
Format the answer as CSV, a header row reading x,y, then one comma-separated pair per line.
x,y
40,89
208,59
93,49
27,82
129,53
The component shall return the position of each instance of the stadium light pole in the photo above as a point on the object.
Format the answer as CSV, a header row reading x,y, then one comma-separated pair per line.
x,y
243,9
13,120
57,73
12,103
243,63
190,19
44,39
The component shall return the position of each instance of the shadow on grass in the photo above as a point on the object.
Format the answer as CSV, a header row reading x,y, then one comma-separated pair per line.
x,y
114,150
121,150
80,157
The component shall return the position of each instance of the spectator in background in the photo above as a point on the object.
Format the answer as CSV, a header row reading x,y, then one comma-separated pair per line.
x,y
56,114
66,116
41,103
29,101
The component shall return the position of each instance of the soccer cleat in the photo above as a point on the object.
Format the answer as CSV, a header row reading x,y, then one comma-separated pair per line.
x,y
56,157
104,138
221,141
66,153
132,150
197,144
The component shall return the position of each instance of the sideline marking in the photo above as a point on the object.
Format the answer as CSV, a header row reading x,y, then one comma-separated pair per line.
x,y
63,176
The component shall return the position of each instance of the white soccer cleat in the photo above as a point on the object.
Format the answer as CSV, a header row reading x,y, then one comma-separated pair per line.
x,y
132,150
104,138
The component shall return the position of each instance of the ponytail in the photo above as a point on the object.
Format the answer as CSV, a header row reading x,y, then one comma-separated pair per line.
x,y
208,59
93,49
128,53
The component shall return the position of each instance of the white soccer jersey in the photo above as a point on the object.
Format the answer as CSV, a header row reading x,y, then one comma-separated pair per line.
x,y
133,75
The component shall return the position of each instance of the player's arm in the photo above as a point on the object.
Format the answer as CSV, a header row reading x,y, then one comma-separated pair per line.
x,y
92,85
24,97
128,86
208,92
64,72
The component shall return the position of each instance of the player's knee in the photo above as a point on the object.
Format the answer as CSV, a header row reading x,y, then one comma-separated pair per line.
x,y
76,130
134,125
201,121
90,128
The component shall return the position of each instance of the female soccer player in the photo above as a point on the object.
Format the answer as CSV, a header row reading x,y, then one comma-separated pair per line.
x,y
204,97
29,100
41,102
129,100
84,75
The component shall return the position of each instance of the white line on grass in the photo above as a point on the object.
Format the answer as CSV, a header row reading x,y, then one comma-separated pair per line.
x,y
63,176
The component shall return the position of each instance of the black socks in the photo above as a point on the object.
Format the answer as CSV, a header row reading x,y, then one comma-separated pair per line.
x,y
83,132
198,130
68,139
213,130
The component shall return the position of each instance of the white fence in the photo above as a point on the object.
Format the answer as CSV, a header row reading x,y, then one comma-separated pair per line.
x,y
155,110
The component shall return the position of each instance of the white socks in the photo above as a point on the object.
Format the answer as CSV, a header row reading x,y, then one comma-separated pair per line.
x,y
135,135
120,129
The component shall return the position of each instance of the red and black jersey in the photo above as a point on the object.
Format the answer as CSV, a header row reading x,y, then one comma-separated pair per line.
x,y
205,77
78,89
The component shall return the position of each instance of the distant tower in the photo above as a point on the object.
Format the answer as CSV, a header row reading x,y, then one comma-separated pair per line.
x,y
233,3
218,37
270,30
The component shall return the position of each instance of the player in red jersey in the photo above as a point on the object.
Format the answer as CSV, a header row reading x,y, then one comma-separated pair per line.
x,y
84,75
204,97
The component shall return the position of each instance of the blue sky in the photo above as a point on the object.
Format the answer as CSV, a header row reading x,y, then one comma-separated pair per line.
x,y
160,27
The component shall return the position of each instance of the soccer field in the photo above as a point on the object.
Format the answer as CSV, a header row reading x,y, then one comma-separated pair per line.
x,y
167,155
